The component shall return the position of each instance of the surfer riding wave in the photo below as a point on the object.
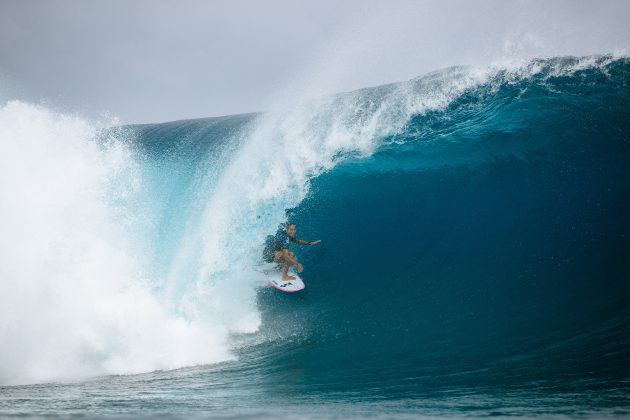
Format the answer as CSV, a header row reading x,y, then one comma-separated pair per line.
x,y
277,249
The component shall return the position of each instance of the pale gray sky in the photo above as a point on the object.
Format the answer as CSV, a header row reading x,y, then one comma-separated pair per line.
x,y
157,60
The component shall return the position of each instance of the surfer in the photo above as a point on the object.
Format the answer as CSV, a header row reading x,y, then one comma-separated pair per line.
x,y
277,249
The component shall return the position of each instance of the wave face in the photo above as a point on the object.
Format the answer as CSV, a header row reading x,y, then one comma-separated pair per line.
x,y
474,227
484,243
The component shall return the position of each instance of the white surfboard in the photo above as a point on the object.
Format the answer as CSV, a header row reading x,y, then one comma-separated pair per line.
x,y
273,277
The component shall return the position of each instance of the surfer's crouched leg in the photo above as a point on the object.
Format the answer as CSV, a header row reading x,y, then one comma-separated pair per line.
x,y
285,273
284,265
280,259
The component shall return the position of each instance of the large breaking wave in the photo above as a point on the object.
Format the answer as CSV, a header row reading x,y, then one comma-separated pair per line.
x,y
476,195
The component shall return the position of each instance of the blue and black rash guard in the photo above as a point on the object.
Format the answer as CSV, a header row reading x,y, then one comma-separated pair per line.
x,y
282,240
278,242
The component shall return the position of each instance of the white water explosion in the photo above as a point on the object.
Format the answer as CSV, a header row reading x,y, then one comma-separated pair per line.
x,y
74,301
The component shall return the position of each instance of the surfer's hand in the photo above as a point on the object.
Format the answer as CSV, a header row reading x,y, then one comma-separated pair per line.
x,y
299,267
315,242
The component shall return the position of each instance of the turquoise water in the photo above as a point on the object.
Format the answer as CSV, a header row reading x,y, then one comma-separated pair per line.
x,y
474,256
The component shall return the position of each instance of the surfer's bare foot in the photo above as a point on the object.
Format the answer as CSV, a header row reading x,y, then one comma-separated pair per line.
x,y
287,277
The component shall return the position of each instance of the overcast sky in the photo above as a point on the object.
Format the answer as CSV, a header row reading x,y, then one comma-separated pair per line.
x,y
155,60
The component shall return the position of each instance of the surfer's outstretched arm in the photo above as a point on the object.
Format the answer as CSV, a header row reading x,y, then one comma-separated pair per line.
x,y
301,242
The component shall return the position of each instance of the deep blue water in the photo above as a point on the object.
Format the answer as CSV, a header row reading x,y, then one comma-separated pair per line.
x,y
474,263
